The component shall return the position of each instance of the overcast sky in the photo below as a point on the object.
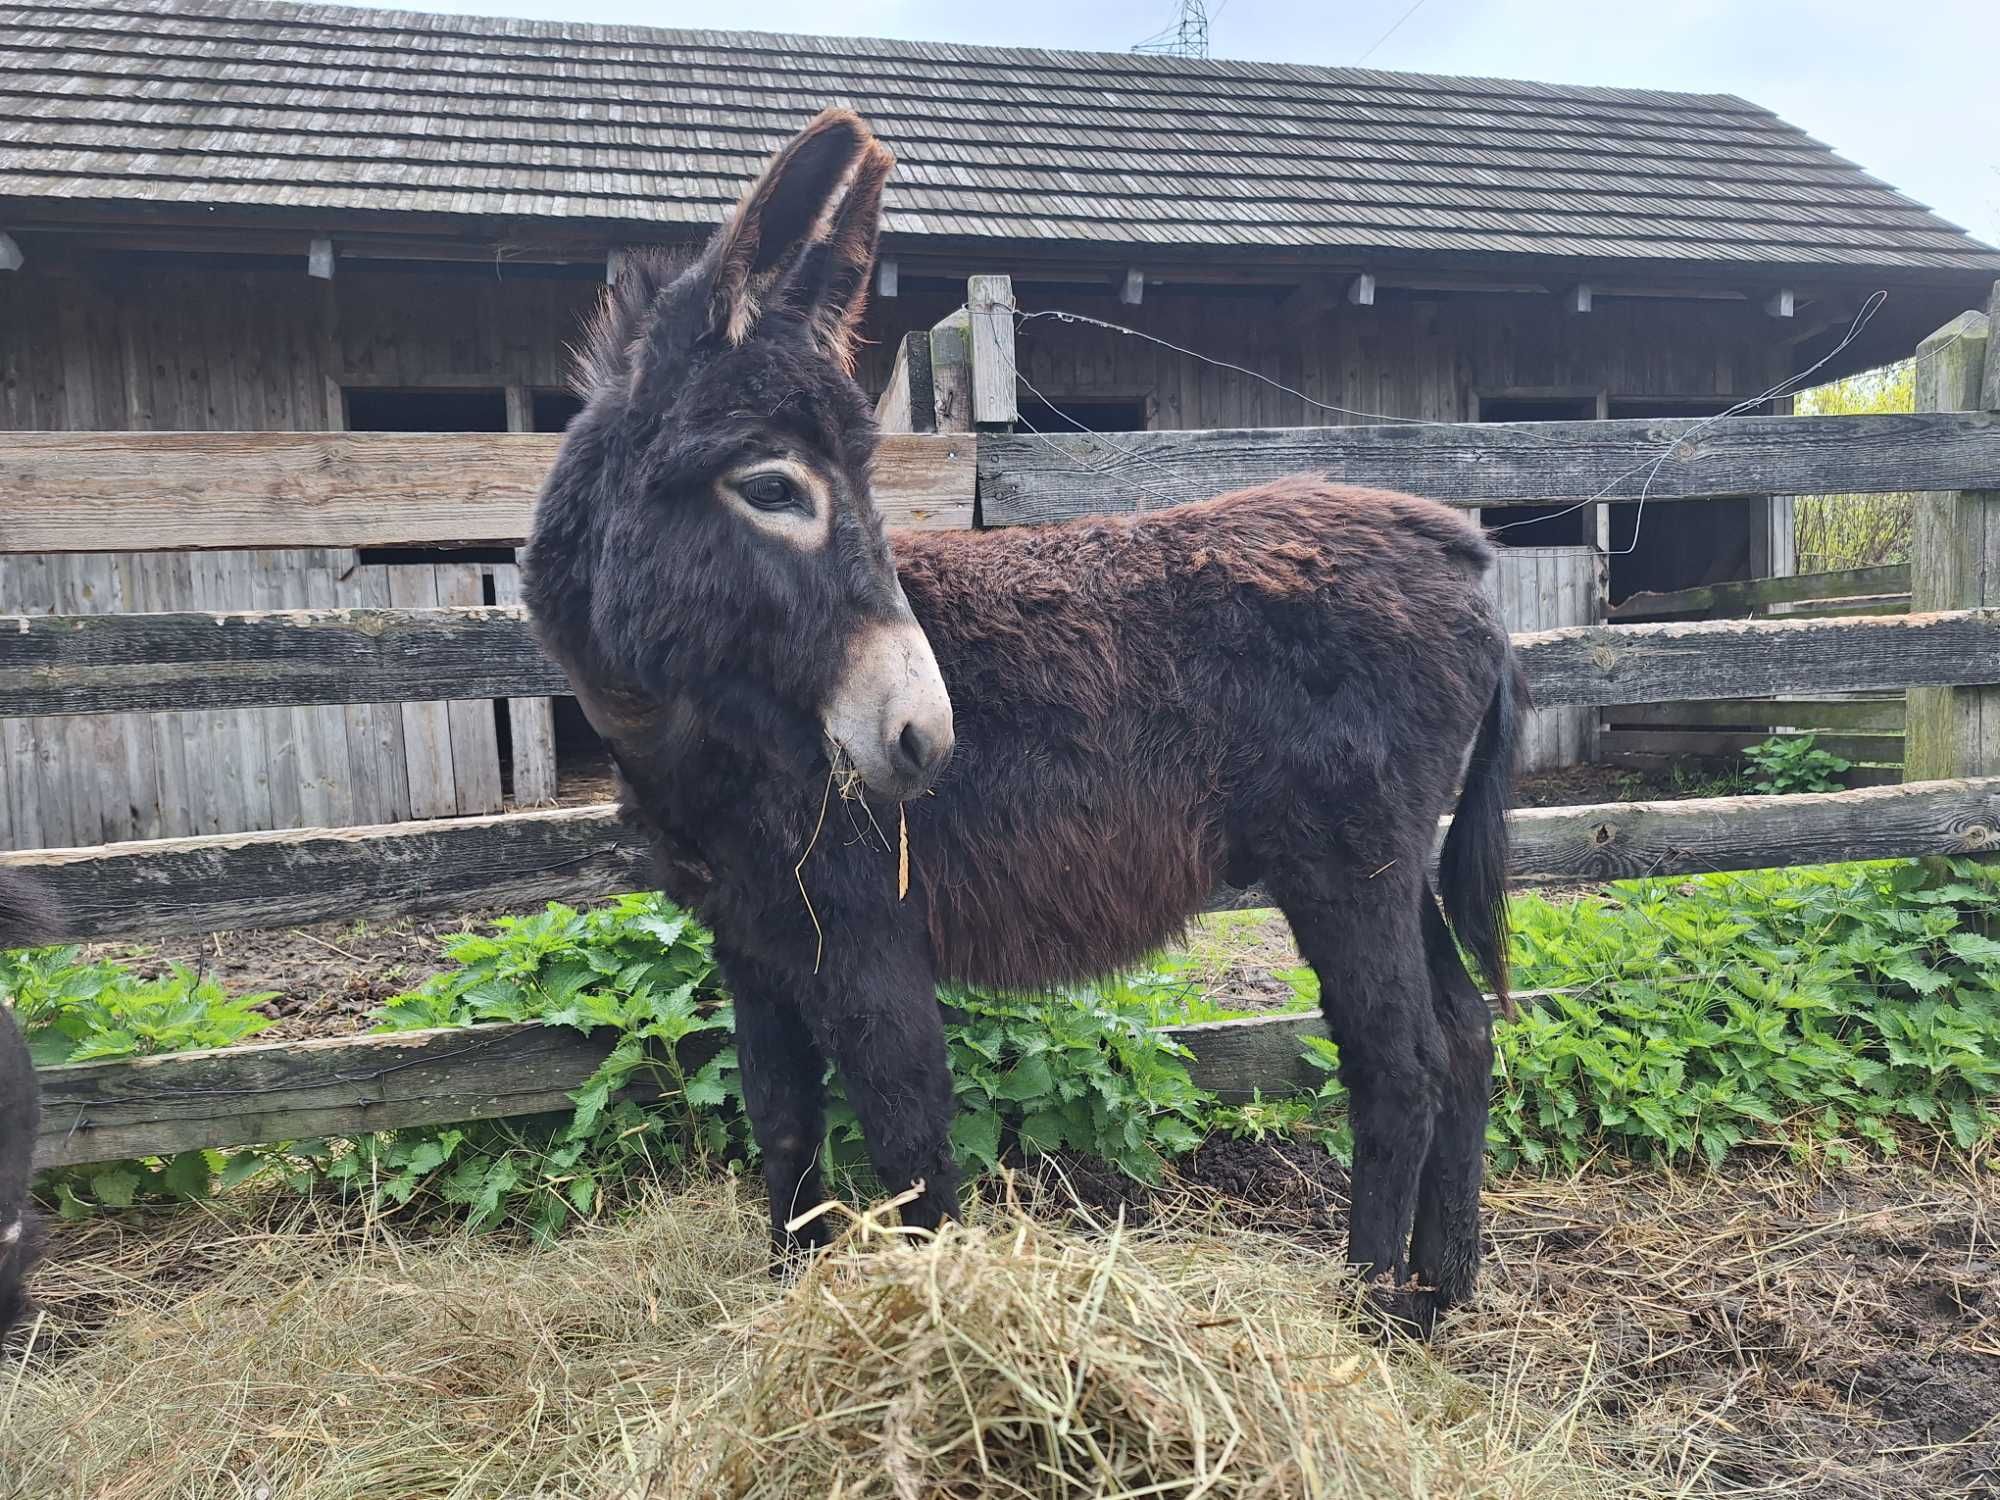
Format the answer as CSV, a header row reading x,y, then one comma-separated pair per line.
x,y
1908,89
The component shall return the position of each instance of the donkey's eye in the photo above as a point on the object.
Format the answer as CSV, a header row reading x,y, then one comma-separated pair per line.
x,y
769,492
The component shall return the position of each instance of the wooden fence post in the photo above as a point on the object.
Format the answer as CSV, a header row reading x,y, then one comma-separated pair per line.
x,y
990,302
1955,557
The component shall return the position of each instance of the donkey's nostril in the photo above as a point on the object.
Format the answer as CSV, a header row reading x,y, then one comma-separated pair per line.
x,y
913,749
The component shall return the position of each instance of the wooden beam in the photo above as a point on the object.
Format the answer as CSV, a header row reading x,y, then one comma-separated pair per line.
x,y
319,258
1740,598
1576,297
1955,556
951,372
152,663
885,276
1781,303
990,304
1361,290
329,1086
1026,479
1761,713
1758,658
1730,744
181,491
1132,290
909,401
222,882
11,258
519,861
614,266
267,1092
193,661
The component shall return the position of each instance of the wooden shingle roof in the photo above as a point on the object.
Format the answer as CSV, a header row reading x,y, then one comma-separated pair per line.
x,y
260,105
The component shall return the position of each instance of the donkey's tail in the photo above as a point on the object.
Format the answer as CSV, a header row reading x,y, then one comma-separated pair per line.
x,y
27,916
1472,871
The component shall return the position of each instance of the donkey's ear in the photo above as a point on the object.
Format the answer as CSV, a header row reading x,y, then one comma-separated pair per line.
x,y
785,207
833,289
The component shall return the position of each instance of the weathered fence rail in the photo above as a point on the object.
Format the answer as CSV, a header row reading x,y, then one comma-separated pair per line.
x,y
79,664
518,861
343,1086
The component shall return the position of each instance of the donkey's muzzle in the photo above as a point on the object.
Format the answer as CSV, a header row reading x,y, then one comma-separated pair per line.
x,y
890,714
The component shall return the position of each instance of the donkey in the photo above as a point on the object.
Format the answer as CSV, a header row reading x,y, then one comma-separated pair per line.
x,y
25,920
1088,727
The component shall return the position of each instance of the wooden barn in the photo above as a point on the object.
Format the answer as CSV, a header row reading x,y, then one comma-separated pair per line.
x,y
231,215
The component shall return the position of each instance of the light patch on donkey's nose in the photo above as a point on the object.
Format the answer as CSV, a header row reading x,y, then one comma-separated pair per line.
x,y
890,681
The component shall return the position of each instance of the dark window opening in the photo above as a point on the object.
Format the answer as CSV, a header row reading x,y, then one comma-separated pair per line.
x,y
1684,544
1087,416
387,409
1538,525
551,411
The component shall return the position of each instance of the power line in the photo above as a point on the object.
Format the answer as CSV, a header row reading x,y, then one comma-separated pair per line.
x,y
1419,5
1184,36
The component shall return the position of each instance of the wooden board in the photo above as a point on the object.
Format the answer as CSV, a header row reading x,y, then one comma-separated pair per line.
x,y
1759,658
88,664
1761,713
531,722
291,877
1736,599
413,655
287,1091
519,861
262,1093
1711,744
1027,479
159,491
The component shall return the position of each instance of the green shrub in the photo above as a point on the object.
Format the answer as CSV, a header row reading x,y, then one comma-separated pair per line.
x,y
71,1011
1795,763
1788,1007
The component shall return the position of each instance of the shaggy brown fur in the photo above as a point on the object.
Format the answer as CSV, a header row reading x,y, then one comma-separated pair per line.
x,y
1280,685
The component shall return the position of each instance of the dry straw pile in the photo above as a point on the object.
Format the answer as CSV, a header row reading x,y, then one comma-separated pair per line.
x,y
1013,1359
310,1359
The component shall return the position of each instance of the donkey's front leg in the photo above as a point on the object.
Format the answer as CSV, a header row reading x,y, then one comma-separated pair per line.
x,y
782,1072
878,1018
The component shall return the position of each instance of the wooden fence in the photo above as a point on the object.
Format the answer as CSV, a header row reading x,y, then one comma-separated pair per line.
x,y
1866,729
96,492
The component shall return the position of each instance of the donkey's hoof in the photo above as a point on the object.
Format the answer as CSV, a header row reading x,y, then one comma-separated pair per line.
x,y
1399,1310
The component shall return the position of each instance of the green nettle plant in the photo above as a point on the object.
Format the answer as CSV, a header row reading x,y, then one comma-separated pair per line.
x,y
1794,1008
71,1011
1795,763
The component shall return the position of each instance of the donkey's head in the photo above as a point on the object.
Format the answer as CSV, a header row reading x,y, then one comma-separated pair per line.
x,y
707,545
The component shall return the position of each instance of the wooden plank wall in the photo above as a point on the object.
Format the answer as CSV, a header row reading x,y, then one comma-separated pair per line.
x,y
121,344
1548,588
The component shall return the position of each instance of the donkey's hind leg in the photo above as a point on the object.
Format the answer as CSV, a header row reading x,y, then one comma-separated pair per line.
x,y
1444,1250
1363,939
